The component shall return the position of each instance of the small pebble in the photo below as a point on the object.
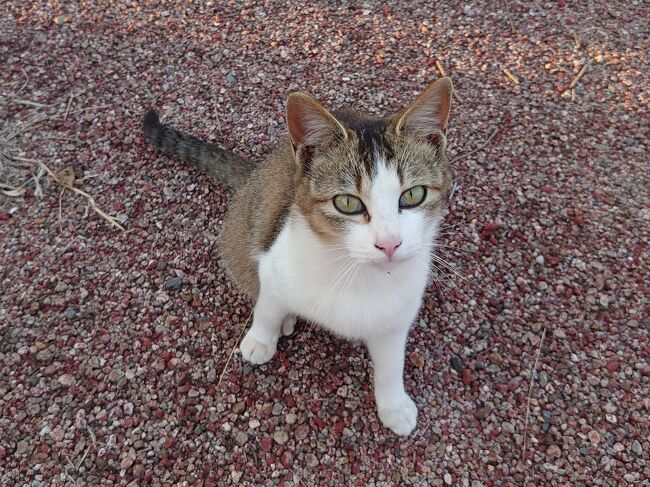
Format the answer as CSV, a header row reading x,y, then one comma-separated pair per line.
x,y
594,437
281,437
456,364
554,451
66,380
173,283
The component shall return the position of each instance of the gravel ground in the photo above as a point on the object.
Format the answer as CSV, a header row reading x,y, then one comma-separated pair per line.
x,y
112,344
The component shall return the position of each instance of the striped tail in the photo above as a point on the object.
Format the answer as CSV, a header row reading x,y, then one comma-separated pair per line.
x,y
221,164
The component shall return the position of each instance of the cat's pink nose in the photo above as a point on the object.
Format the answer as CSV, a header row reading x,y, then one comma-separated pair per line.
x,y
388,246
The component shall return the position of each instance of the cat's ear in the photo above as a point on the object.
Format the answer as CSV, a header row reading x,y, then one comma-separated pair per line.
x,y
310,125
427,116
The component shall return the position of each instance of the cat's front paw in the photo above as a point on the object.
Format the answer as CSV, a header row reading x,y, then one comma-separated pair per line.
x,y
256,350
400,416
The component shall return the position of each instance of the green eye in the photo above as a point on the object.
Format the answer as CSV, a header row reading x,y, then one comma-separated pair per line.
x,y
412,197
348,204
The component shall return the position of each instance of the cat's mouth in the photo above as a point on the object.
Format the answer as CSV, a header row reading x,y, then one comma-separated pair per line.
x,y
388,263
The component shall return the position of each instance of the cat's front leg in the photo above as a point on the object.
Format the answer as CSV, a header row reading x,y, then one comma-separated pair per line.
x,y
395,408
270,318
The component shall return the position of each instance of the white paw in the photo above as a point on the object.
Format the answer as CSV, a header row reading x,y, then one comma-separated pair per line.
x,y
400,416
288,324
257,351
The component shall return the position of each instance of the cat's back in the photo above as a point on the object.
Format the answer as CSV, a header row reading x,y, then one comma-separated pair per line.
x,y
256,216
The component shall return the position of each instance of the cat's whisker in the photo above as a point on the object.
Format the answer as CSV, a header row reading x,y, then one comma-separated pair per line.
x,y
442,290
449,226
455,249
452,282
339,276
442,286
457,272
329,246
335,259
351,275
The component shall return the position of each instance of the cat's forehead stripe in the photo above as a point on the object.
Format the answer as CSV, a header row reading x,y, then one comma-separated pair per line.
x,y
371,135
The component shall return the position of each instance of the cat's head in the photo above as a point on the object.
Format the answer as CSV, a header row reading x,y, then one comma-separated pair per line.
x,y
375,188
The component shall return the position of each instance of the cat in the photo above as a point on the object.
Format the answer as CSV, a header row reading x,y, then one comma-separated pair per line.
x,y
337,227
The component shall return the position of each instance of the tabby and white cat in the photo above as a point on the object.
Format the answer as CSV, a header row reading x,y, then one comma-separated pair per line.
x,y
336,227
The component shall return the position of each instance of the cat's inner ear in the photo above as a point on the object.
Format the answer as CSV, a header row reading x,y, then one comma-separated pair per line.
x,y
427,116
310,125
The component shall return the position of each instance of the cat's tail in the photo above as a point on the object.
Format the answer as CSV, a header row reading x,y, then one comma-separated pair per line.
x,y
224,165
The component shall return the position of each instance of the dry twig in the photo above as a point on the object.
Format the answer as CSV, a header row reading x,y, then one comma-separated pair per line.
x,y
440,68
533,374
225,367
67,109
511,76
576,39
580,74
90,199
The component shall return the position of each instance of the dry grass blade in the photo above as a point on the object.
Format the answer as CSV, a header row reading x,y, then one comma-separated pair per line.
x,y
91,200
83,458
67,108
11,191
19,190
26,126
36,178
81,110
533,375
512,26
483,146
60,209
21,101
232,351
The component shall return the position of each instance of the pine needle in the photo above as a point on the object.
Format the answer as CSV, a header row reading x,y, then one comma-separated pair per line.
x,y
533,375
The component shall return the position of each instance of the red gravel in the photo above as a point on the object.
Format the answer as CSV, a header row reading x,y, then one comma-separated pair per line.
x,y
111,375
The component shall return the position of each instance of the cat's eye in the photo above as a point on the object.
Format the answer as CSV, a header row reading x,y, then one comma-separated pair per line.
x,y
348,204
412,197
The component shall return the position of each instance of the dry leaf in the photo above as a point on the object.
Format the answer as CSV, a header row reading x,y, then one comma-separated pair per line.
x,y
66,176
14,192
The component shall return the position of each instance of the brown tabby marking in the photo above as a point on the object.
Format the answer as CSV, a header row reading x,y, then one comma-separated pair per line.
x,y
338,155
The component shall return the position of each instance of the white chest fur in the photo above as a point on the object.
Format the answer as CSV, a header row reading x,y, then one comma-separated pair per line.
x,y
322,284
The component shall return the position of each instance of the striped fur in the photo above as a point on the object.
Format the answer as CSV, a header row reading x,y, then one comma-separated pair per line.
x,y
224,165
